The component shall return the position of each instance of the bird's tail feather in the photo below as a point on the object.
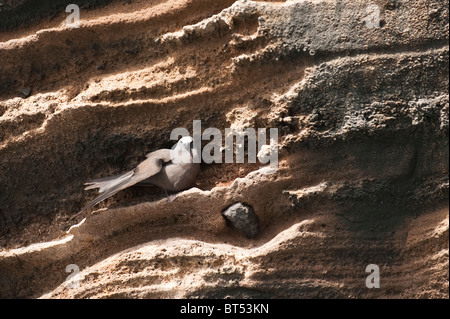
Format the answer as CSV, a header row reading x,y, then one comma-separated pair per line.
x,y
108,186
104,179
107,183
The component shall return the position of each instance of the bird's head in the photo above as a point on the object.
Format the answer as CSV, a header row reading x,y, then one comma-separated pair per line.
x,y
186,141
181,151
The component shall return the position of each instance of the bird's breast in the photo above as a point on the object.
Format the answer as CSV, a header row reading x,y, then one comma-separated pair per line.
x,y
176,177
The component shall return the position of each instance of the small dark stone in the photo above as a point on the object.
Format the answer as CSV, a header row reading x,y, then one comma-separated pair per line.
x,y
101,65
132,51
243,218
26,92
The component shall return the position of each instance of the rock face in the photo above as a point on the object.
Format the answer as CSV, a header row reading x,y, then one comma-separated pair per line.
x,y
362,114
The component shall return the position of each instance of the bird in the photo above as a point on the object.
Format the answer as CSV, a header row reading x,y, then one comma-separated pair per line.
x,y
171,170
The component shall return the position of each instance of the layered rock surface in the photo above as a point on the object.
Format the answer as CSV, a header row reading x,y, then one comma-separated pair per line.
x,y
362,115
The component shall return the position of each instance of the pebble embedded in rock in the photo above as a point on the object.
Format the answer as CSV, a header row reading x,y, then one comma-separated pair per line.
x,y
26,92
243,218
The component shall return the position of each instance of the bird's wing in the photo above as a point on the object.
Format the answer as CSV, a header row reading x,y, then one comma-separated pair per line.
x,y
110,186
163,154
151,166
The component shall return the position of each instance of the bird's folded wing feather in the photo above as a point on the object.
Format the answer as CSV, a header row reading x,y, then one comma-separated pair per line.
x,y
148,168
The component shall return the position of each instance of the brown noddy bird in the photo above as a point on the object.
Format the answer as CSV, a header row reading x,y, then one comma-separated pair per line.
x,y
172,170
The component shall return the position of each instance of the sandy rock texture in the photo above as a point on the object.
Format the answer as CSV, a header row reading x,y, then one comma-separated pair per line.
x,y
362,115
